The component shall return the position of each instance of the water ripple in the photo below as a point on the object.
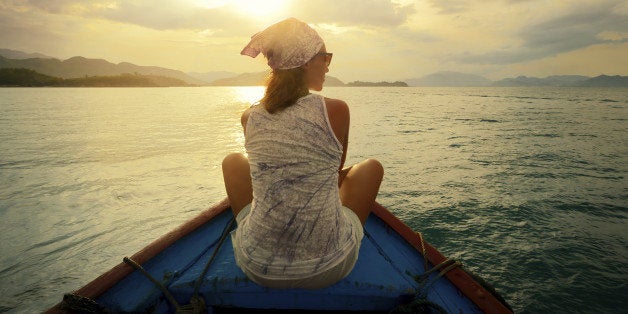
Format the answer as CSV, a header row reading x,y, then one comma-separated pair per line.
x,y
526,186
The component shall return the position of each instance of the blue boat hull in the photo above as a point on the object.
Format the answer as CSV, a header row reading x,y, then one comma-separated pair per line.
x,y
385,277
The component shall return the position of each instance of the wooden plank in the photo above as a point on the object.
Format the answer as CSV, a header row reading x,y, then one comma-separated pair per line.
x,y
460,278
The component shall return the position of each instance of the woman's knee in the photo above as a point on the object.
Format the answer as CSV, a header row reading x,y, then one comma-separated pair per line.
x,y
373,168
233,159
237,177
235,169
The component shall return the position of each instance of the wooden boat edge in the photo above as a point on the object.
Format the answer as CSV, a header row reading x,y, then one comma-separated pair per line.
x,y
460,278
104,282
479,295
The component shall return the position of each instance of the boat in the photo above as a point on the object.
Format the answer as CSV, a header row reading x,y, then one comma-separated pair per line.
x,y
192,269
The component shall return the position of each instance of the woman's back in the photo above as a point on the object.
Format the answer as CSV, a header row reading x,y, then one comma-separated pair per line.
x,y
296,225
300,212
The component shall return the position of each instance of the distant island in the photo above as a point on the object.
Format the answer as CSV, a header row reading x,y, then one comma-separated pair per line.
x,y
81,71
456,79
10,77
565,81
377,84
449,79
79,67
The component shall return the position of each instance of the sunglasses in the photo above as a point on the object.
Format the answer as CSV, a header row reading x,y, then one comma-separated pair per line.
x,y
327,55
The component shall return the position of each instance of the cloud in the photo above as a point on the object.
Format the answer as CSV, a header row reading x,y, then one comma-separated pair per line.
x,y
52,6
450,6
166,15
583,27
187,14
406,35
377,13
157,15
24,27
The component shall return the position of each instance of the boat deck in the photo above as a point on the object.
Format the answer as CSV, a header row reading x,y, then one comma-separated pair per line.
x,y
383,277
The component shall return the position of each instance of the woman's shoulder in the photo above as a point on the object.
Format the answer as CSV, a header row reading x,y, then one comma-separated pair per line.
x,y
338,115
334,101
245,115
336,106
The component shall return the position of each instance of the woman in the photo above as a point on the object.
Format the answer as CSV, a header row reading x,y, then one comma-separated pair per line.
x,y
300,214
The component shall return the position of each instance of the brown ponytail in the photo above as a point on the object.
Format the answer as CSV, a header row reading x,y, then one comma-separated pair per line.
x,y
283,88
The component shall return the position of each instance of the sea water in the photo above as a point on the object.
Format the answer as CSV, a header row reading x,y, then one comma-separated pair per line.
x,y
525,186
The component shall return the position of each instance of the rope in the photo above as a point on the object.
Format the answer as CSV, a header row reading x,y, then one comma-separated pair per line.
x,y
448,264
196,304
225,232
423,251
76,303
421,304
163,289
82,304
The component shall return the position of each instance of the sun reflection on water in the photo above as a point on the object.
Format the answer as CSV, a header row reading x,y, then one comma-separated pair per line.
x,y
249,94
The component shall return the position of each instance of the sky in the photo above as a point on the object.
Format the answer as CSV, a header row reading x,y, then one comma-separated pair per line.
x,y
372,40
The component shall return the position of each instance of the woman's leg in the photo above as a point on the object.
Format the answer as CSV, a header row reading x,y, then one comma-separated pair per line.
x,y
359,185
237,176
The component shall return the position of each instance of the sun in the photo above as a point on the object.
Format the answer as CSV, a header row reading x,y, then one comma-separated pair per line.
x,y
261,9
267,9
